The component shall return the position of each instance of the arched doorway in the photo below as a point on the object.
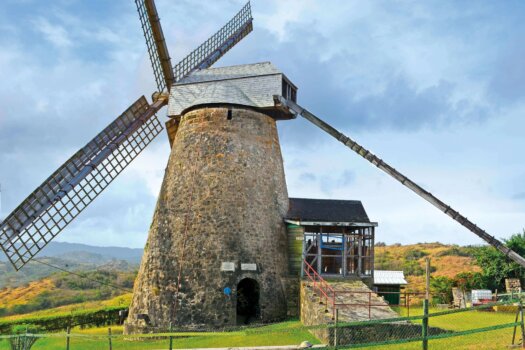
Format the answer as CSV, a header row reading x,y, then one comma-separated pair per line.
x,y
247,301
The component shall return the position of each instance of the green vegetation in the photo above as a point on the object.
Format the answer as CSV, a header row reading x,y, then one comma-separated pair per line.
x,y
496,267
285,333
60,321
65,289
492,340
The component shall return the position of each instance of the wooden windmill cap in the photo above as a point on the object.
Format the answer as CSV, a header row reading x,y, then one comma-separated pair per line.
x,y
251,85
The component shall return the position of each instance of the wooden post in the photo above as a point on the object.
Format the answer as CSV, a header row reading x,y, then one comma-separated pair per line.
x,y
67,337
171,337
408,304
522,327
516,321
320,251
109,338
369,305
360,252
336,340
424,330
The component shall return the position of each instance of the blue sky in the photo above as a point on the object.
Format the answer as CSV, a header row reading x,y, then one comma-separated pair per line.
x,y
436,88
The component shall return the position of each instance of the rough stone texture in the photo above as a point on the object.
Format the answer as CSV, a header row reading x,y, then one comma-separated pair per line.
x,y
223,199
292,287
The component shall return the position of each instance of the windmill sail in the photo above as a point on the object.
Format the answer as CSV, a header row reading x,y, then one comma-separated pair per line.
x,y
217,45
157,49
429,197
71,188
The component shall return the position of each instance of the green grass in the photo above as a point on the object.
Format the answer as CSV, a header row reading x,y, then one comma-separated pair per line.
x,y
292,333
492,340
285,333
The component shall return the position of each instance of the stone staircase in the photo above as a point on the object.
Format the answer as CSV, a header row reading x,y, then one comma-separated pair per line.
x,y
352,299
356,292
316,311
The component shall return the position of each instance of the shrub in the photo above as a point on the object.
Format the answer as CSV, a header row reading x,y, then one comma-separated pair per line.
x,y
470,280
85,318
24,338
441,288
414,254
456,251
412,268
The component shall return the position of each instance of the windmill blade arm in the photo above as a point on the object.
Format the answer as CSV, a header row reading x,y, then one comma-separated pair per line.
x,y
372,158
217,45
70,189
157,49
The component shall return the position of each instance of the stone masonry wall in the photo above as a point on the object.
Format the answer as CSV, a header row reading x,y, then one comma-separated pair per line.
x,y
223,199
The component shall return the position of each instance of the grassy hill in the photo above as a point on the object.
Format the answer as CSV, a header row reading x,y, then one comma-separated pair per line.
x,y
62,288
446,260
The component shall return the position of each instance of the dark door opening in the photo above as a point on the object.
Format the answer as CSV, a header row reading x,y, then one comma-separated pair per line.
x,y
247,301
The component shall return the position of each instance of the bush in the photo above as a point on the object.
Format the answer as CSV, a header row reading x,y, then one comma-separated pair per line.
x,y
414,254
457,251
470,280
85,318
412,268
23,341
441,288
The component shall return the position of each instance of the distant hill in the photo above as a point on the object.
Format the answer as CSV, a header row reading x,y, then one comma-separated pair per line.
x,y
77,252
445,260
70,256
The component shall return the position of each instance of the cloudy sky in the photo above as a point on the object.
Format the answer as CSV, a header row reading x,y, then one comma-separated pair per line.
x,y
435,88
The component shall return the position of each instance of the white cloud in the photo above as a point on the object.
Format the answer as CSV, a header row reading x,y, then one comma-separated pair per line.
x,y
54,33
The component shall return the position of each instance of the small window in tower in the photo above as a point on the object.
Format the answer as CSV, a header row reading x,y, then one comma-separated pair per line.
x,y
229,114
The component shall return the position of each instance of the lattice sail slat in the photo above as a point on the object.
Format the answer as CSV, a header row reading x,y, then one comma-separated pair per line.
x,y
156,44
54,204
217,45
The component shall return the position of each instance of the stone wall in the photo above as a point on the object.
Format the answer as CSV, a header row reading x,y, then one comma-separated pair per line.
x,y
222,200
314,313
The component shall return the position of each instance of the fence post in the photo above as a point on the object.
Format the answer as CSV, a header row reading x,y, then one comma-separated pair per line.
x,y
369,305
171,338
408,305
522,327
109,338
424,329
336,335
67,337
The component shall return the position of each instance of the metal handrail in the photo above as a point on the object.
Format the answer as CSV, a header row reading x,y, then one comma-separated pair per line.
x,y
322,286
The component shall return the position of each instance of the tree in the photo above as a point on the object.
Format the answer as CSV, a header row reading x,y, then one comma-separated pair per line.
x,y
441,289
470,280
496,267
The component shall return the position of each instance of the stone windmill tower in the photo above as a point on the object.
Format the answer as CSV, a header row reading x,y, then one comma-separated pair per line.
x,y
216,251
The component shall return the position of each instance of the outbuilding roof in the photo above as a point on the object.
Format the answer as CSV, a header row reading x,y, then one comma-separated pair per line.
x,y
327,210
386,277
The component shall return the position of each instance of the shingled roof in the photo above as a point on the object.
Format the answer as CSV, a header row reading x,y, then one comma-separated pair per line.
x,y
250,85
327,210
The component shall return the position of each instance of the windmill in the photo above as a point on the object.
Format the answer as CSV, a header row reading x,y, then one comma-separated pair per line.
x,y
218,224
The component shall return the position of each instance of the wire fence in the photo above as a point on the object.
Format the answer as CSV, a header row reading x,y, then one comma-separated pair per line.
x,y
491,326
